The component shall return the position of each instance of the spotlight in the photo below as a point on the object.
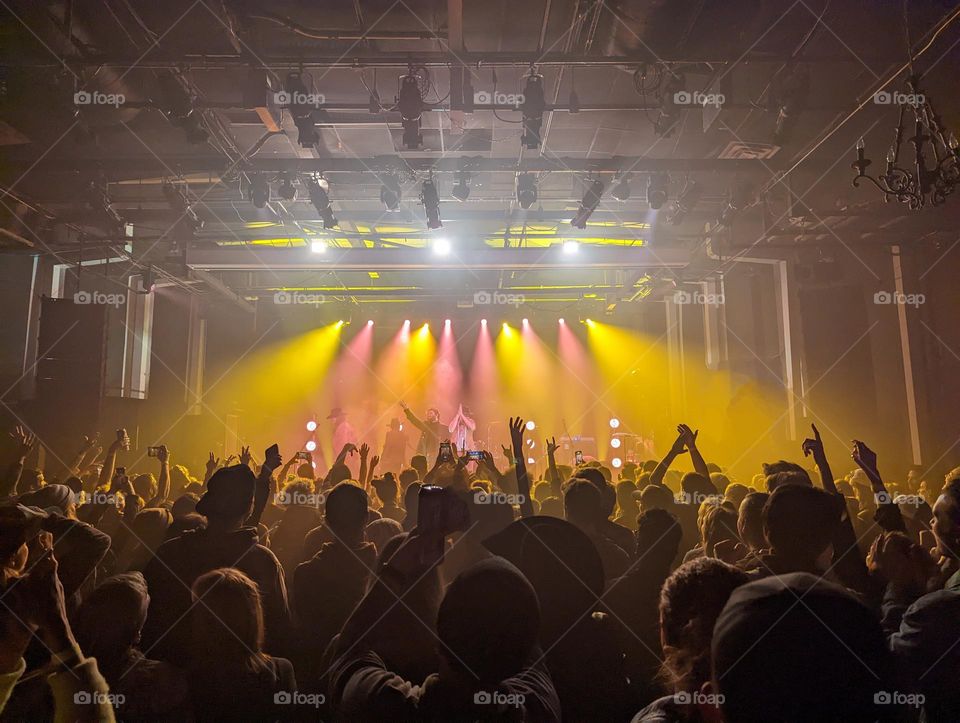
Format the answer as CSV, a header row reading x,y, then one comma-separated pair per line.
x,y
614,422
483,322
369,322
531,426
390,193
561,321
461,191
286,190
571,247
505,326
615,442
533,106
526,322
446,322
591,199
406,322
531,443
410,105
431,204
526,190
297,96
311,425
441,247
310,445
685,203
621,191
319,190
658,190
259,191
339,323
318,246
616,462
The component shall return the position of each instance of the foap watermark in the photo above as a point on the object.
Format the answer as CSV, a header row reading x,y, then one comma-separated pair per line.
x,y
498,298
285,697
293,298
895,697
695,97
885,97
99,298
698,697
498,697
695,498
482,497
885,498
101,498
294,98
97,697
898,298
483,97
697,297
96,97
292,497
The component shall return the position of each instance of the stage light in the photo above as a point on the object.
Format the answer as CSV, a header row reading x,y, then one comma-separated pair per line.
x,y
615,442
286,190
431,204
410,105
483,322
446,322
406,322
310,445
340,322
658,190
369,322
441,247
526,190
531,426
390,193
614,422
318,246
531,460
461,190
311,425
531,443
526,322
570,248
533,106
259,191
561,321
506,326
621,191
589,203
616,462
319,190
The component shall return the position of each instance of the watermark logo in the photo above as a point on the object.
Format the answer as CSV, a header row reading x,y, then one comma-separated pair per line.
x,y
288,497
95,97
698,698
482,497
293,298
884,697
296,98
697,297
899,299
284,697
498,697
695,498
884,498
483,97
96,697
102,498
686,97
498,298
99,298
914,100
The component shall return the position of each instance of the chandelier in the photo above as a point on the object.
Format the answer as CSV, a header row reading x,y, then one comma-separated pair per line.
x,y
936,164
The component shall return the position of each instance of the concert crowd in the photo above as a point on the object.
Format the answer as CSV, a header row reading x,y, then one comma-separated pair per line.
x,y
428,581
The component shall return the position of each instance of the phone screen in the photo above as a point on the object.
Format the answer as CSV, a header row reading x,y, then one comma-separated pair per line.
x,y
578,457
446,452
475,454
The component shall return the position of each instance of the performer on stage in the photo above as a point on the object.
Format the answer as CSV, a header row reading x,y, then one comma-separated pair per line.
x,y
394,457
461,429
344,432
433,431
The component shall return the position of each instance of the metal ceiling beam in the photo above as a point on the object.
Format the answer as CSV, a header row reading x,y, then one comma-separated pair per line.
x,y
362,259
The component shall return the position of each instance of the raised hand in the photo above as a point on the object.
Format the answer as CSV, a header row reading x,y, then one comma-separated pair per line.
x,y
163,454
245,455
89,441
24,439
364,450
212,463
516,434
348,448
865,458
813,446
272,458
688,436
552,445
374,462
229,459
507,452
122,441
679,445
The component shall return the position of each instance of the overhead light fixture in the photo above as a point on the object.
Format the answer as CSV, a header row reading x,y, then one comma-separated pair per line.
x,y
318,187
658,190
431,204
621,191
533,106
259,191
685,202
390,193
589,203
461,189
410,105
571,247
286,190
526,190
298,98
